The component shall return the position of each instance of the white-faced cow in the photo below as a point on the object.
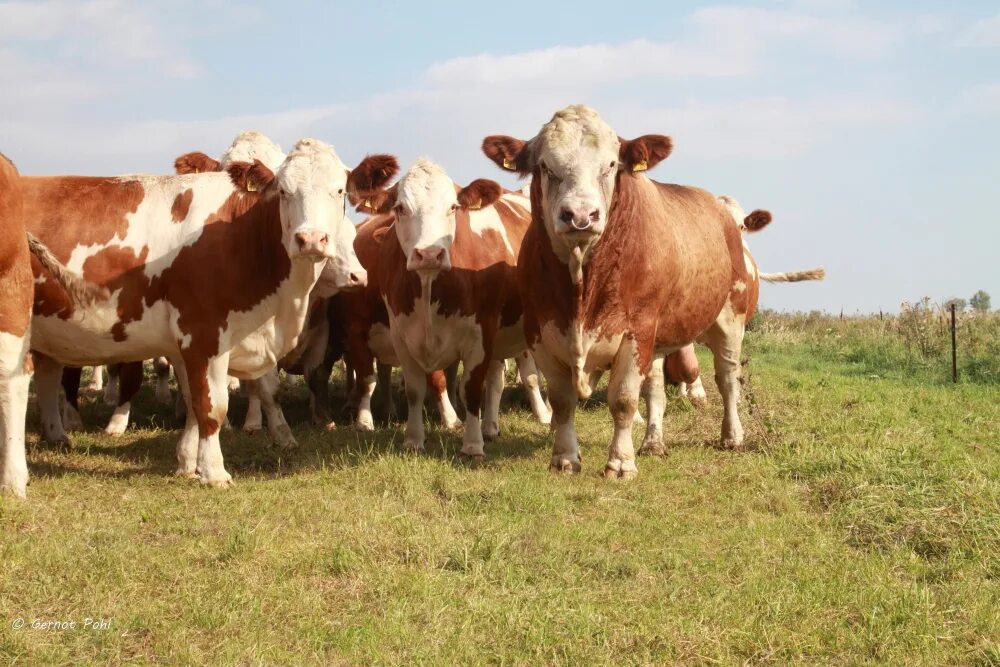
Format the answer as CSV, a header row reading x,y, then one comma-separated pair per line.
x,y
342,272
446,271
617,271
194,264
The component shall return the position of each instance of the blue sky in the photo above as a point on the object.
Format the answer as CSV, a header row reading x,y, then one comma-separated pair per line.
x,y
870,130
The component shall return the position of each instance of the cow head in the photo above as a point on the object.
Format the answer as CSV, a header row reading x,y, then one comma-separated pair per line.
x,y
251,145
575,161
425,203
311,186
342,272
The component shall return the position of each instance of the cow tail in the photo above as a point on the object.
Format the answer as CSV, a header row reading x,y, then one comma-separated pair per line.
x,y
80,291
794,276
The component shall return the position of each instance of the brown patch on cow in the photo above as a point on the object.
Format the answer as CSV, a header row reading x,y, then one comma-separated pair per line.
x,y
196,163
181,206
67,211
662,269
757,220
369,177
15,260
644,152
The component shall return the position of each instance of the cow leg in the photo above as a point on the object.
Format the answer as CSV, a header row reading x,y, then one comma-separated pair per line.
x,y
71,406
491,399
254,421
473,391
528,373
562,395
208,402
656,401
281,434
364,388
438,383
162,367
623,401
96,379
129,383
695,392
14,379
48,373
187,445
415,381
318,381
111,388
383,404
725,339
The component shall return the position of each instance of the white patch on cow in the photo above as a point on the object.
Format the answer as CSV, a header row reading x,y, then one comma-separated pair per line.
x,y
40,280
577,155
14,383
739,286
488,219
251,145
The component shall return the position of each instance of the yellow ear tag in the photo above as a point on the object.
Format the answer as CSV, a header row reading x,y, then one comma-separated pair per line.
x,y
251,186
640,166
368,204
508,165
475,207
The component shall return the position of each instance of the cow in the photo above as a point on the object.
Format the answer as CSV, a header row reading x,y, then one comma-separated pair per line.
x,y
342,272
16,250
194,264
446,272
617,271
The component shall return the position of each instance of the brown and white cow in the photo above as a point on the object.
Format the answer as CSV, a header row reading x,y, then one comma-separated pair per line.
x,y
194,264
15,322
342,272
617,271
446,271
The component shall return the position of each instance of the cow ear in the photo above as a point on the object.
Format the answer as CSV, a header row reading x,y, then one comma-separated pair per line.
x,y
757,220
370,177
478,194
508,153
379,234
195,163
250,177
379,201
644,152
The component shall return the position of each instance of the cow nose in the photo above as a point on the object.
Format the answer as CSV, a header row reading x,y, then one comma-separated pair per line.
x,y
431,254
357,279
579,220
313,243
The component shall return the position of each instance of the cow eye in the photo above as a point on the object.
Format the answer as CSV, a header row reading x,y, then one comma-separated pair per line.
x,y
454,207
340,191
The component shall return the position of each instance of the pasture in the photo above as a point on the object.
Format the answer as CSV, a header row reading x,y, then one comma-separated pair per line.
x,y
861,526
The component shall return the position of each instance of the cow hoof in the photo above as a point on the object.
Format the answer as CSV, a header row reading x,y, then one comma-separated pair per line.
x,y
364,423
652,448
698,402
15,485
545,419
59,441
452,426
223,482
732,444
115,429
413,447
252,429
472,460
625,475
285,439
491,432
564,466
186,474
331,426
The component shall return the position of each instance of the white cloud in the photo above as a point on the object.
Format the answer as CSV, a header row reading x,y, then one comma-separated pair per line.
x,y
984,32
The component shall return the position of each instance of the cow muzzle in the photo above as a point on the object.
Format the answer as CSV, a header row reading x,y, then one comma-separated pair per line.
x,y
312,244
355,281
431,258
579,221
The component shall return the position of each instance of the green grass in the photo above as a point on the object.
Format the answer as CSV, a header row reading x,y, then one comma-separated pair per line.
x,y
862,527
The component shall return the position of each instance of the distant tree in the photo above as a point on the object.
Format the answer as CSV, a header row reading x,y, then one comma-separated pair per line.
x,y
980,301
960,304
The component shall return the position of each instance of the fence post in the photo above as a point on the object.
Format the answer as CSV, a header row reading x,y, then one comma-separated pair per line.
x,y
954,348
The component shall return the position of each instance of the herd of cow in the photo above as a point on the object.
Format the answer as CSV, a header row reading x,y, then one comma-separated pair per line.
x,y
240,266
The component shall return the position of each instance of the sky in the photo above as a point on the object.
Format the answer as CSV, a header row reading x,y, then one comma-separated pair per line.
x,y
870,130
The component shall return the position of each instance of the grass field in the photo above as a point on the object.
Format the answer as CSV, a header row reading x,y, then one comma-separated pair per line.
x,y
861,527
